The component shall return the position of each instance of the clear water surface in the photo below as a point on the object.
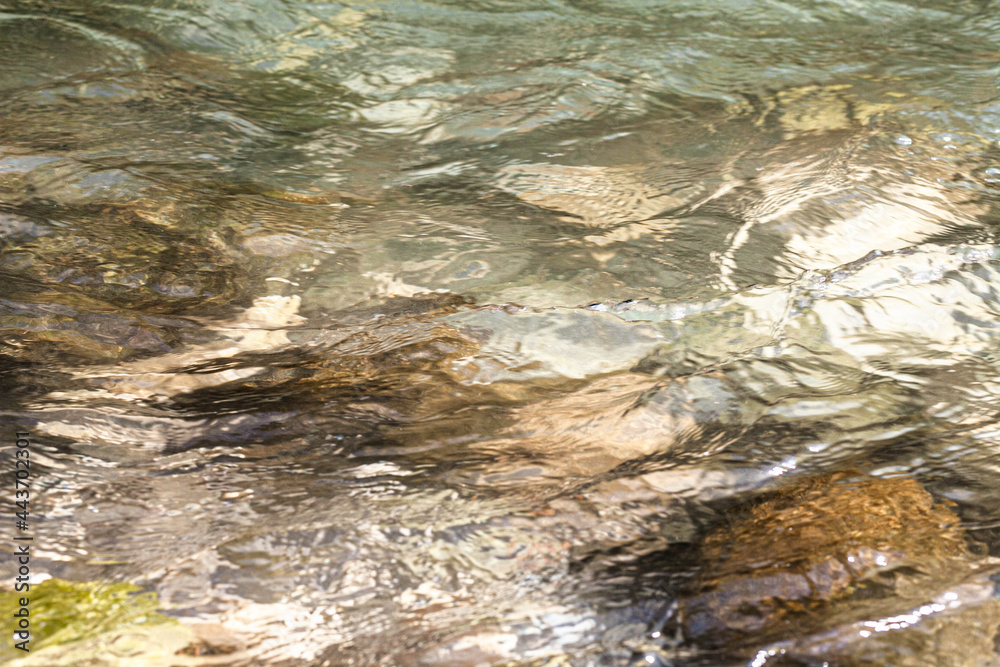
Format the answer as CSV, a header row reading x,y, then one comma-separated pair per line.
x,y
478,332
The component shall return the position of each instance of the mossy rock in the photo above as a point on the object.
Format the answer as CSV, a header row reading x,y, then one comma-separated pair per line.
x,y
64,613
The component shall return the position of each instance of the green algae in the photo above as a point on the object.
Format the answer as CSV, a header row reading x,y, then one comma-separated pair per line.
x,y
66,612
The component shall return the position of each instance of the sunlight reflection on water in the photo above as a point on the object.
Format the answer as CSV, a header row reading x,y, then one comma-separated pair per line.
x,y
416,333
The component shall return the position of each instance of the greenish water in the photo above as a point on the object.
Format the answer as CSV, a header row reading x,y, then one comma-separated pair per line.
x,y
457,333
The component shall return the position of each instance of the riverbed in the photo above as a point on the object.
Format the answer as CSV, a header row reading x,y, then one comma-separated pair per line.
x,y
476,332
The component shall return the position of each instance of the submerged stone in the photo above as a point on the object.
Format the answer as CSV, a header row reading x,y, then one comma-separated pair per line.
x,y
844,537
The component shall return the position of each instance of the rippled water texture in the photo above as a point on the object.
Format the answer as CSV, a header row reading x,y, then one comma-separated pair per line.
x,y
480,332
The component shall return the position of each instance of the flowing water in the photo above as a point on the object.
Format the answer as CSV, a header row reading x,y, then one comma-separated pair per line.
x,y
477,332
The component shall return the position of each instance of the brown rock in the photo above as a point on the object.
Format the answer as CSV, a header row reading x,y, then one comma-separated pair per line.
x,y
819,541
